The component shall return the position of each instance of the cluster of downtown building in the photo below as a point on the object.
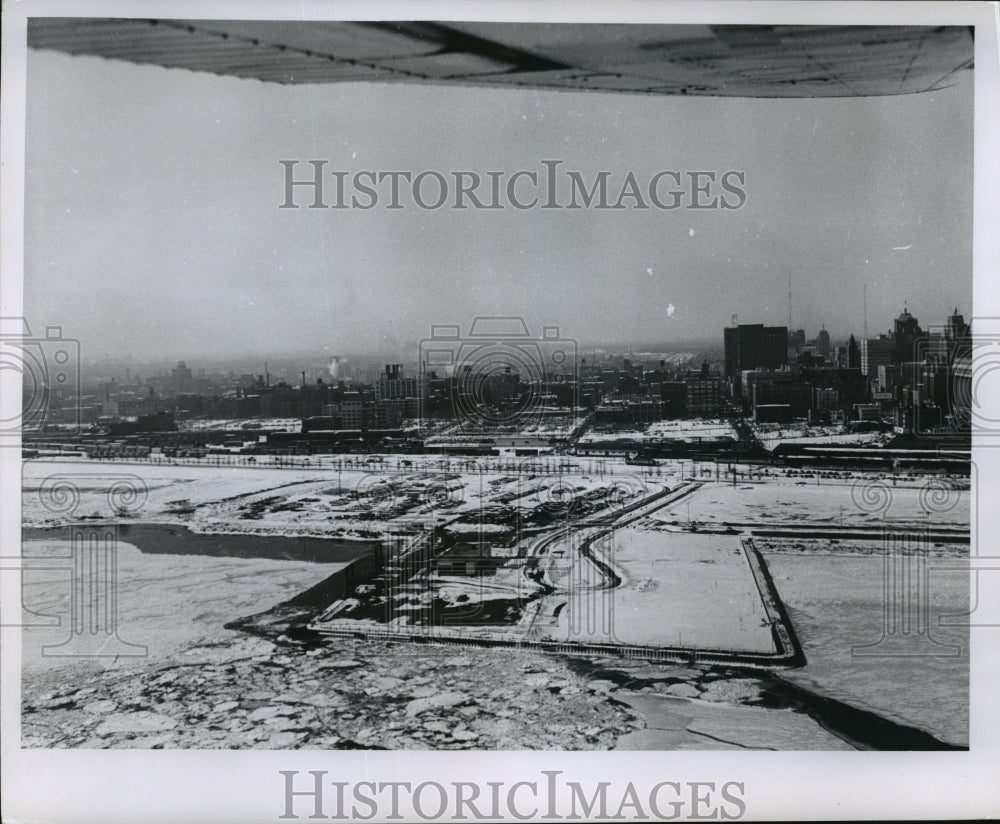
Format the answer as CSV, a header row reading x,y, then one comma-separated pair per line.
x,y
912,378
908,380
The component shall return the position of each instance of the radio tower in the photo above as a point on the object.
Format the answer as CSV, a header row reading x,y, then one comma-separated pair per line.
x,y
866,310
789,301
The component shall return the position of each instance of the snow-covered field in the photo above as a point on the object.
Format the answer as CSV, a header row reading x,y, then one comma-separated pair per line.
x,y
676,590
249,426
364,500
773,434
680,430
690,430
616,435
164,487
804,502
836,602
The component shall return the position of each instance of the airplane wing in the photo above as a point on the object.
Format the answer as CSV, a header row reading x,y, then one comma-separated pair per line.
x,y
726,61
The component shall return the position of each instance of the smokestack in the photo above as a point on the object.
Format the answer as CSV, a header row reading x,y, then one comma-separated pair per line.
x,y
267,375
303,379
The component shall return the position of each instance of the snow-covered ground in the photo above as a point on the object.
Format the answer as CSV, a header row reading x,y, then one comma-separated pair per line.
x,y
366,499
617,435
249,426
676,590
836,603
681,430
824,501
691,430
165,493
773,434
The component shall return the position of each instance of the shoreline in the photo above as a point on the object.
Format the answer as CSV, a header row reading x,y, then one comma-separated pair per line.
x,y
152,538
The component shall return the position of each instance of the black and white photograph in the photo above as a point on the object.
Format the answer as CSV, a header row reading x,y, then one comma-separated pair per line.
x,y
562,388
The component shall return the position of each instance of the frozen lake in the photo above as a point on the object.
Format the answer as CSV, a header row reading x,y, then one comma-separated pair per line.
x,y
165,601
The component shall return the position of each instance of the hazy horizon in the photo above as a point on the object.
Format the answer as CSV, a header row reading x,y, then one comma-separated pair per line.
x,y
152,226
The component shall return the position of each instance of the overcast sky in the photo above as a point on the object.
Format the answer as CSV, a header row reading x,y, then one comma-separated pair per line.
x,y
153,227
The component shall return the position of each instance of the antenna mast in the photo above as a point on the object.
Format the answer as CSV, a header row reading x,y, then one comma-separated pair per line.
x,y
789,301
866,310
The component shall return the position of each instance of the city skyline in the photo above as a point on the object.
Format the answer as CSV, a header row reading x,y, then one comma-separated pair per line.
x,y
311,359
917,376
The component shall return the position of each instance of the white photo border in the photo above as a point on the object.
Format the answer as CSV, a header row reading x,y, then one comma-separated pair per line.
x,y
64,786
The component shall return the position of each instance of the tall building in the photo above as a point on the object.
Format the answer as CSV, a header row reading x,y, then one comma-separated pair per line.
x,y
849,384
181,378
876,352
704,394
796,342
392,384
796,395
853,354
905,333
823,343
956,328
754,346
